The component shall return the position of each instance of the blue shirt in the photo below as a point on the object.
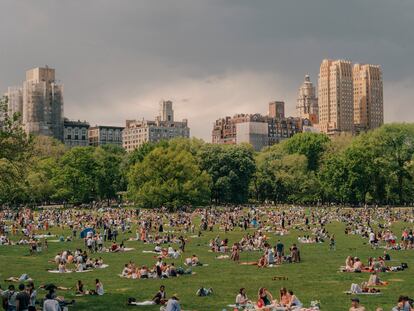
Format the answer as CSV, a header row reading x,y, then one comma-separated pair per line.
x,y
173,305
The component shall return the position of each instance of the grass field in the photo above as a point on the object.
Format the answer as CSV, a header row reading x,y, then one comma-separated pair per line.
x,y
316,278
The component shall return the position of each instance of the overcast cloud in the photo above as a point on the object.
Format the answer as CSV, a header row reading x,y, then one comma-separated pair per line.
x,y
118,58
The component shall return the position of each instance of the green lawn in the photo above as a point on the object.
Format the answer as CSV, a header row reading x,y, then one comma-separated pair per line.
x,y
316,278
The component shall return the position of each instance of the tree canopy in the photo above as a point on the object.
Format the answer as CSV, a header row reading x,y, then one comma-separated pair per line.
x,y
376,167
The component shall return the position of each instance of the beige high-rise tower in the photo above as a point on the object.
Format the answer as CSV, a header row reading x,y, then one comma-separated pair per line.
x,y
368,97
336,97
43,103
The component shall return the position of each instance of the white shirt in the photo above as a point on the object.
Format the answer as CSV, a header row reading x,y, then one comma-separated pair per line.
x,y
51,305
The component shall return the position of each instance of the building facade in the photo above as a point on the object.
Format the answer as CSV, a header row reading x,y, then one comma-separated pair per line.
x,y
75,133
164,127
254,133
368,97
307,102
15,101
105,135
258,130
42,103
277,109
336,97
281,129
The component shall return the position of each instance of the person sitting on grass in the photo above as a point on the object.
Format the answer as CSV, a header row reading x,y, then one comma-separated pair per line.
x,y
115,248
241,298
160,297
295,253
355,305
294,302
403,304
193,261
264,298
144,272
262,262
374,280
99,289
358,265
80,288
62,268
285,297
173,304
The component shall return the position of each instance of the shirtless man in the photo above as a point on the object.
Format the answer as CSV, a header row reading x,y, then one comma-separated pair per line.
x,y
355,306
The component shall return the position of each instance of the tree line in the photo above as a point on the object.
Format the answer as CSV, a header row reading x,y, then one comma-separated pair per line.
x,y
372,168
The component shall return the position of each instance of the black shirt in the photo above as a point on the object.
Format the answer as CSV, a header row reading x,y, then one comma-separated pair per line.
x,y
24,301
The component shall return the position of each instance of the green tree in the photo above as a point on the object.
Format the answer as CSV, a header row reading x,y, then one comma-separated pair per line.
x,y
76,177
394,145
110,176
140,153
283,177
168,177
310,145
41,168
232,168
15,151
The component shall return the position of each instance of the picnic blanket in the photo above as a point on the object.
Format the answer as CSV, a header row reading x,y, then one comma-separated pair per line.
x,y
142,303
42,236
348,292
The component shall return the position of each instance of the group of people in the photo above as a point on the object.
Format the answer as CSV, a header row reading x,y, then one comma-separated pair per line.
x,y
26,298
374,264
79,259
258,225
404,303
160,270
286,300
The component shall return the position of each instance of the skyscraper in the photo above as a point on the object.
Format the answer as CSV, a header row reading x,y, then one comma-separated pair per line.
x,y
336,100
277,109
307,102
43,103
166,111
15,101
368,97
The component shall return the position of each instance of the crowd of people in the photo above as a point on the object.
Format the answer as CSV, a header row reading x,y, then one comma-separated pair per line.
x,y
261,230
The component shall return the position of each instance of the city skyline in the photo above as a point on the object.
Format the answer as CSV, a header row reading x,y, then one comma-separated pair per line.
x,y
235,59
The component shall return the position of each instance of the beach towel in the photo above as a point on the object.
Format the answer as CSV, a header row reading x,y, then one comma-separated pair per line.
x,y
57,271
143,303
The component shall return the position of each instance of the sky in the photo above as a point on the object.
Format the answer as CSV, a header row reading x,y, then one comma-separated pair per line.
x,y
118,58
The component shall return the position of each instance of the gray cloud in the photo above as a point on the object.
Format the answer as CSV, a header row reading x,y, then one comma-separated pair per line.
x,y
117,59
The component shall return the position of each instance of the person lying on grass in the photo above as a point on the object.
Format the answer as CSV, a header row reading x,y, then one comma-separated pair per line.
x,y
160,298
363,288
